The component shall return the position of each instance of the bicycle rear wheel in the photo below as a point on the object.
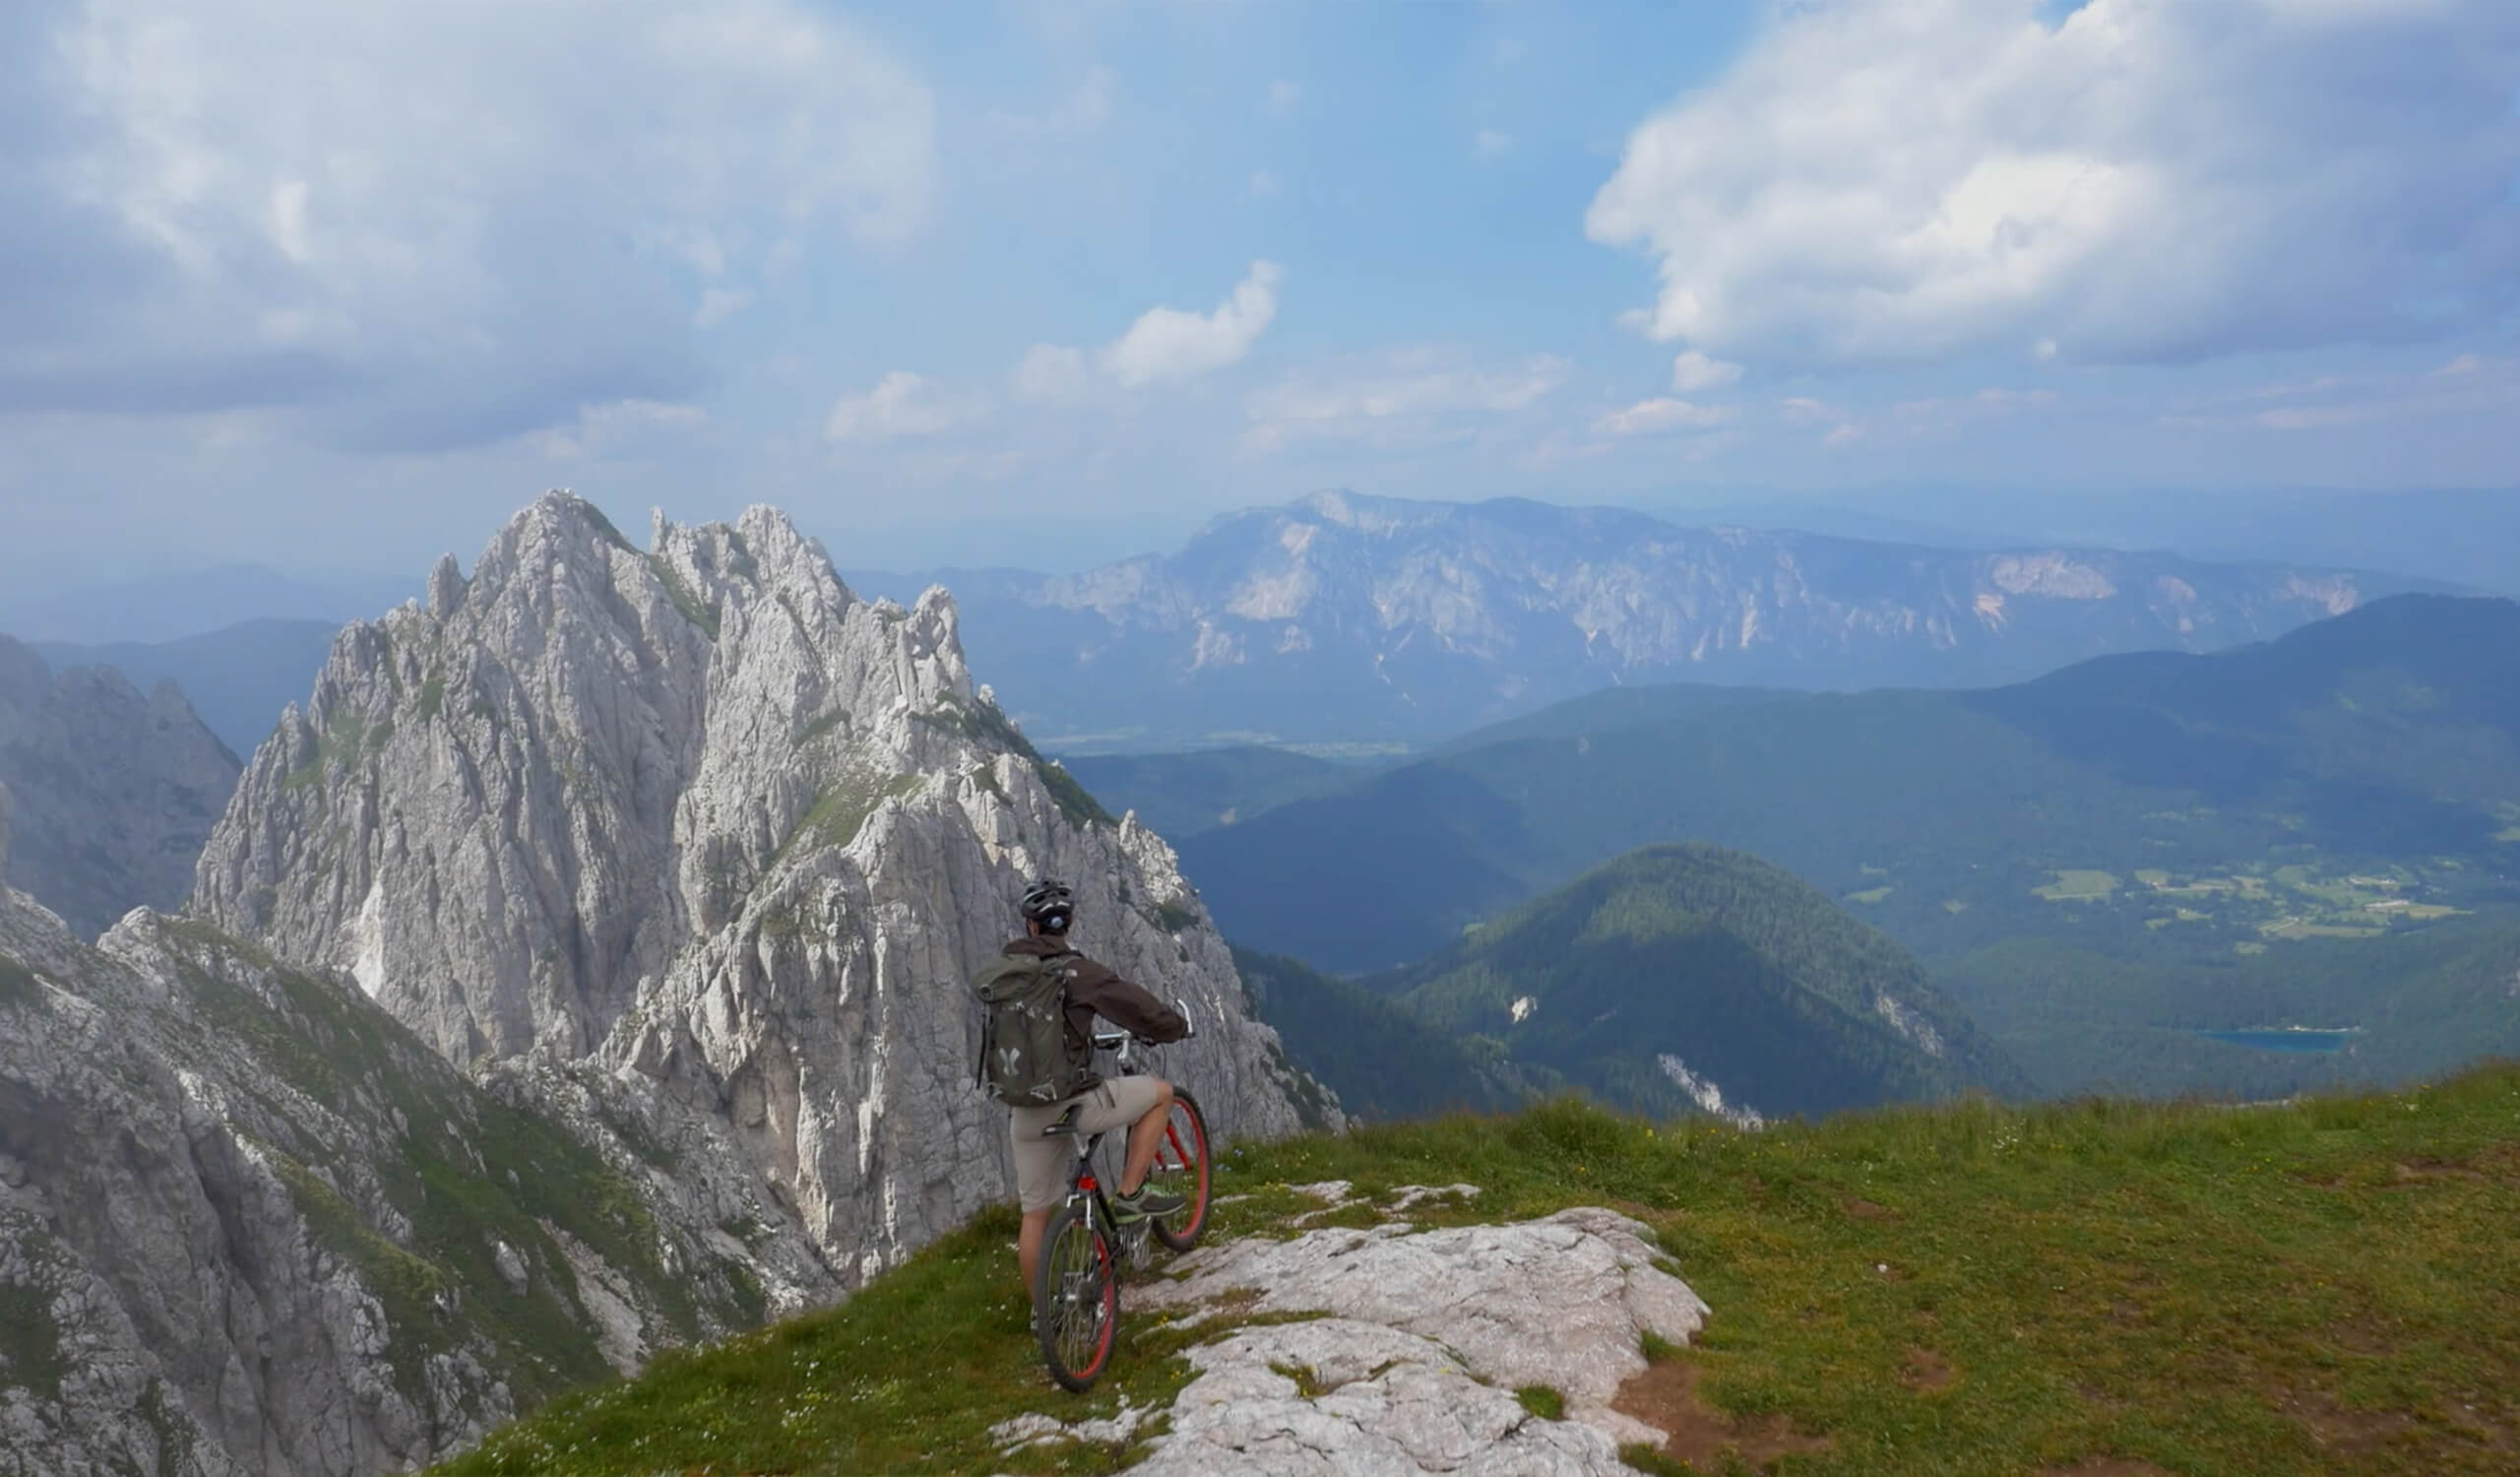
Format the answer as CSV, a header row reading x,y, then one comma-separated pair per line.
x,y
1075,1301
1181,1167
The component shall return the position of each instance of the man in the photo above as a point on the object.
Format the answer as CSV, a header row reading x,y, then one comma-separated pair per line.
x,y
1086,988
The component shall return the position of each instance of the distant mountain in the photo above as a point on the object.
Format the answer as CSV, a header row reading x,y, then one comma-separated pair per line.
x,y
117,791
2461,535
2359,777
1682,978
1348,617
238,679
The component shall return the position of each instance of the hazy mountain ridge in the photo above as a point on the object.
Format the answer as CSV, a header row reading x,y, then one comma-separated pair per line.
x,y
116,790
1347,617
237,678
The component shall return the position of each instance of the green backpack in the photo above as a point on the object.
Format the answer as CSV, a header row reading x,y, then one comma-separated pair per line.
x,y
1024,1049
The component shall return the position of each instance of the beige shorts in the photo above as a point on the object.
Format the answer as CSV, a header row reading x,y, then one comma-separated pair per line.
x,y
1042,1164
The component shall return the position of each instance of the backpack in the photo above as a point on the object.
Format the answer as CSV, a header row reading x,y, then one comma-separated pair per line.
x,y
1025,1056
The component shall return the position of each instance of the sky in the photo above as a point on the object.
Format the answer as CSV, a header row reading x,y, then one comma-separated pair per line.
x,y
1051,282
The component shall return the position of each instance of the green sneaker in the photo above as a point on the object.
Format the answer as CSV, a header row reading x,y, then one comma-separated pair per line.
x,y
1148,1202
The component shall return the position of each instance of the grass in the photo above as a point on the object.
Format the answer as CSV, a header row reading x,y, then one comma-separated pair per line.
x,y
2075,885
2321,1286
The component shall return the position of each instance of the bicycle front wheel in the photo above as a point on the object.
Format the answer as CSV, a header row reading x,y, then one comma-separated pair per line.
x,y
1076,1300
1181,1167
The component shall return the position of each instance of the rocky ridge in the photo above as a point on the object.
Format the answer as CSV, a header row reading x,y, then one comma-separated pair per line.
x,y
251,1224
1404,620
696,833
117,789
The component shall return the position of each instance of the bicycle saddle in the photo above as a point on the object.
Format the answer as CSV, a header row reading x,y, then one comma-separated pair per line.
x,y
1066,1123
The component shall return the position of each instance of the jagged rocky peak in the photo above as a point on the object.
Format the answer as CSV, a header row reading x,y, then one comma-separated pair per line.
x,y
698,821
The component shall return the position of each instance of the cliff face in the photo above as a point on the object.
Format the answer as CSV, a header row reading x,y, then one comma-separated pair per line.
x,y
116,790
718,843
249,1224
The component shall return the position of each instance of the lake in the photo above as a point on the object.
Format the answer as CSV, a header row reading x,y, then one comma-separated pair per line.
x,y
2302,1040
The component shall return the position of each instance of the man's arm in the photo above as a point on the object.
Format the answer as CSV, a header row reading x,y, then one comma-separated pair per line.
x,y
1124,1005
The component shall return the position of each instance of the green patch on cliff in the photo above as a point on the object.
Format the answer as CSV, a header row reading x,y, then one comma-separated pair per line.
x,y
30,1342
406,1284
841,811
702,616
985,724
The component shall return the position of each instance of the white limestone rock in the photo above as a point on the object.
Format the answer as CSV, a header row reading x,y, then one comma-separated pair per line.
x,y
1563,1302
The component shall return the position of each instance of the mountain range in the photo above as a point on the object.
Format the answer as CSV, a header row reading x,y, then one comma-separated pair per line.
x,y
1344,619
116,789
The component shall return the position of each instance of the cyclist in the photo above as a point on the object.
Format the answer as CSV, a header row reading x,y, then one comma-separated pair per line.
x,y
1144,1103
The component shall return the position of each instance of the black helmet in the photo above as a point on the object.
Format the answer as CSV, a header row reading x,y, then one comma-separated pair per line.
x,y
1049,904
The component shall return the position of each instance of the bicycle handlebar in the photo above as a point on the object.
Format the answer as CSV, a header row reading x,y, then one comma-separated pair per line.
x,y
1113,1041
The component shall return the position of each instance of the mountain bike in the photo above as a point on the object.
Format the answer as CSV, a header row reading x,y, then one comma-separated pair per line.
x,y
1076,1296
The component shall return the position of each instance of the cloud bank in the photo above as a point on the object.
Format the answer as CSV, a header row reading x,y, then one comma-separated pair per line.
x,y
424,224
2138,180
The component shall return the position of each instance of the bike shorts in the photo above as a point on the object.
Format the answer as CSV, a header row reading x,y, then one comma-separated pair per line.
x,y
1042,1164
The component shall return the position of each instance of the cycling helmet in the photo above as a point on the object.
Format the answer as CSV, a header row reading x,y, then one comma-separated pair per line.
x,y
1049,904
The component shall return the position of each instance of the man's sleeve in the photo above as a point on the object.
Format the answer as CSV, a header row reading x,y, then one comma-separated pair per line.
x,y
1124,1005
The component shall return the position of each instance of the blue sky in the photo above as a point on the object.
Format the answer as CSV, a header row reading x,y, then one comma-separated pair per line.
x,y
1051,283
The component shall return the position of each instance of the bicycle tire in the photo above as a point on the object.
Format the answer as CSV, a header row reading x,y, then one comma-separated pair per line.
x,y
1076,1300
1182,1166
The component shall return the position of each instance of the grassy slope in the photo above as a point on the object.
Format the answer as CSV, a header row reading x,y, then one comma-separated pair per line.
x,y
2190,1288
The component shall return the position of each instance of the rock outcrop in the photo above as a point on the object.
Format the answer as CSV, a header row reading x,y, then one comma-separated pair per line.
x,y
116,790
695,832
1424,1340
250,1223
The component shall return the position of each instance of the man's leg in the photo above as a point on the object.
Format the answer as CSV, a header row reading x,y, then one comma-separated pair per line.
x,y
1028,1246
1145,1138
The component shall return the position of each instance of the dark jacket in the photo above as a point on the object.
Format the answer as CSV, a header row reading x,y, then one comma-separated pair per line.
x,y
1093,990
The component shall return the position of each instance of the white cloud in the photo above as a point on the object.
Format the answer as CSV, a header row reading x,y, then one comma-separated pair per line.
x,y
901,404
1052,375
1879,181
1489,142
423,202
1693,371
1651,416
599,428
1171,344
1407,397
1264,184
1283,98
